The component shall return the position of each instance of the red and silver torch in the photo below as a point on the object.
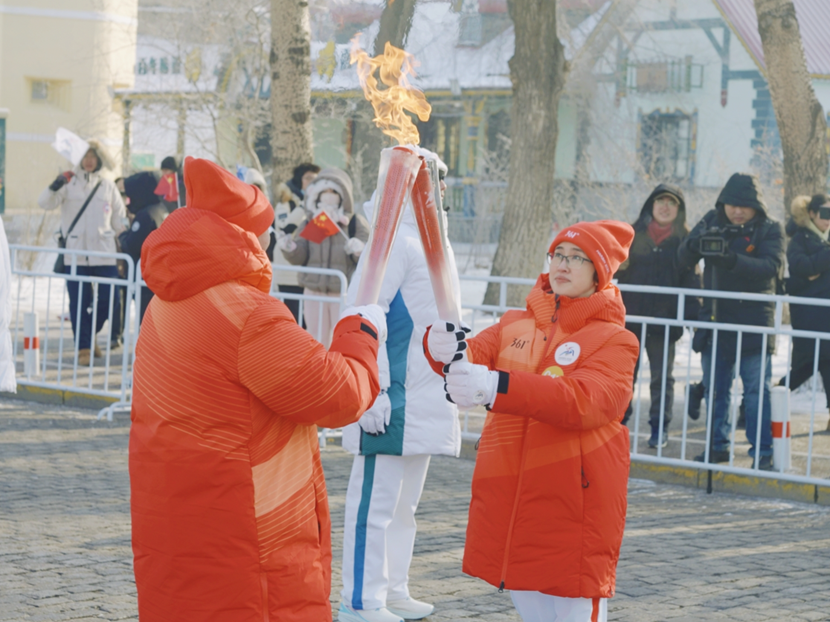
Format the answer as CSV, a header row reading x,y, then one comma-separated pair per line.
x,y
427,204
398,169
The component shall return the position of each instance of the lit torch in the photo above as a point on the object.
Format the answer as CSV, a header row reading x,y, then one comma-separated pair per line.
x,y
398,166
426,202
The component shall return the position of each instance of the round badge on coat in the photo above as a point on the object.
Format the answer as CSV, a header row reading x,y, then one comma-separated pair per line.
x,y
136,226
567,353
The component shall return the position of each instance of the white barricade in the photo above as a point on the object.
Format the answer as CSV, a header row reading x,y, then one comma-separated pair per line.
x,y
42,292
809,465
43,336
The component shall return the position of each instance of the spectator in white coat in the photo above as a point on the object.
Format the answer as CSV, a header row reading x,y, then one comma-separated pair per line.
x,y
96,230
393,441
7,380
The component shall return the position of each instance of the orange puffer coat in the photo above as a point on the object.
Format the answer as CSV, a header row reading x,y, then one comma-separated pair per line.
x,y
229,511
550,481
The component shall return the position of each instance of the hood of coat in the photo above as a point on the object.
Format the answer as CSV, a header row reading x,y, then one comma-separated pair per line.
x,y
605,305
799,211
195,250
742,190
645,217
141,190
330,179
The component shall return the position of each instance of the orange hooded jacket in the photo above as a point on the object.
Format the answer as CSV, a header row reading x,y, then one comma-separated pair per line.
x,y
229,512
549,487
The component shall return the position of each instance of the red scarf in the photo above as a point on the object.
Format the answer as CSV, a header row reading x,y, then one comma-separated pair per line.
x,y
659,233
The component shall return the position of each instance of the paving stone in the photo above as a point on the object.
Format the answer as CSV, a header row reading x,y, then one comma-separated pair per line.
x,y
687,556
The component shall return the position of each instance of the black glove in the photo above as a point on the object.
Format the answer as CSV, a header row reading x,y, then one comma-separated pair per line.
x,y
60,181
724,262
693,244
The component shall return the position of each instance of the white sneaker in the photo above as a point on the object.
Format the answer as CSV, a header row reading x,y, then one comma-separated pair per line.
x,y
347,614
410,609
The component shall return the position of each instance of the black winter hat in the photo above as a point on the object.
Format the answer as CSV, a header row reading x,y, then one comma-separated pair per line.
x,y
169,163
742,190
140,188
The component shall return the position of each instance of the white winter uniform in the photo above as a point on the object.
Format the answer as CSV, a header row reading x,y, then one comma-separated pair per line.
x,y
423,421
104,218
7,379
390,469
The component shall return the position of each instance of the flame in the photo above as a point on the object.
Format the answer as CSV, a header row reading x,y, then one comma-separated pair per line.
x,y
392,103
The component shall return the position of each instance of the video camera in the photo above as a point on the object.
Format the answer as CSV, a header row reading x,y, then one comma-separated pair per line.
x,y
715,242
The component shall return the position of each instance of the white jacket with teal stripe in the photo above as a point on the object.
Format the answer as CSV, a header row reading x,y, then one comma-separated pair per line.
x,y
423,421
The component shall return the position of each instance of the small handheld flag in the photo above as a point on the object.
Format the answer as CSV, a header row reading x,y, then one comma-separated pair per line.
x,y
319,228
168,188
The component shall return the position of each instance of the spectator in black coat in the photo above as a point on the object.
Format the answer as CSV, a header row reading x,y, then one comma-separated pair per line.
x,y
652,260
808,256
751,261
148,211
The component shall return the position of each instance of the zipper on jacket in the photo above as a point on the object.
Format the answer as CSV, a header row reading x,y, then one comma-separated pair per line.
x,y
515,508
585,482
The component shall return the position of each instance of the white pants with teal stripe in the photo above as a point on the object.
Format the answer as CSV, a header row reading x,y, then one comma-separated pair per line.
x,y
380,528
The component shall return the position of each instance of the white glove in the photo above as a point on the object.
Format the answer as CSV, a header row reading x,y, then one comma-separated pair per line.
x,y
286,243
374,314
354,246
471,385
375,420
446,341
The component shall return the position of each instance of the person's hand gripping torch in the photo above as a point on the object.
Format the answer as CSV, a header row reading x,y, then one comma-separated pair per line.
x,y
427,204
396,176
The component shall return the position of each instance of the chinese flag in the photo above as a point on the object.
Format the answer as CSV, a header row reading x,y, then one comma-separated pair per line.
x,y
319,228
168,187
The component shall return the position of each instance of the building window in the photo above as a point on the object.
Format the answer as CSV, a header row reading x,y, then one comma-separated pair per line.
x,y
443,136
667,145
55,93
675,76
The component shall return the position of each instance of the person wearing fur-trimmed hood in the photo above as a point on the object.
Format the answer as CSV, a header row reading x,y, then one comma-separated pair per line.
x,y
808,258
331,192
97,229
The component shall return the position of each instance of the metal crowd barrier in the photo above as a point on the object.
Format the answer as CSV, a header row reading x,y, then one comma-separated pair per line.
x,y
809,447
41,293
47,357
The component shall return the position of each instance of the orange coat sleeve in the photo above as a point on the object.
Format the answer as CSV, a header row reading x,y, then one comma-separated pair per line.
x,y
298,379
590,397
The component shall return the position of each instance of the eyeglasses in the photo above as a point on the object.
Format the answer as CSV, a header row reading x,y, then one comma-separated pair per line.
x,y
558,258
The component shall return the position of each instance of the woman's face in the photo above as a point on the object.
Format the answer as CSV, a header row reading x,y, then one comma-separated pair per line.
x,y
90,161
307,178
665,209
822,223
329,200
571,272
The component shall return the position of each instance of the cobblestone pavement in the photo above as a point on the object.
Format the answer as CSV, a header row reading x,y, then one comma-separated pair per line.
x,y
65,537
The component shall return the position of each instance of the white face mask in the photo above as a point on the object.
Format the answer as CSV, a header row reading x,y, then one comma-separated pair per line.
x,y
329,201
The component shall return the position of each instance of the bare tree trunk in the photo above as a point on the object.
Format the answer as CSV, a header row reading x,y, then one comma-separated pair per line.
x,y
290,86
800,118
395,22
537,70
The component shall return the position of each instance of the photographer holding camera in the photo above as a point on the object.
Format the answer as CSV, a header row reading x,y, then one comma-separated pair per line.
x,y
743,251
